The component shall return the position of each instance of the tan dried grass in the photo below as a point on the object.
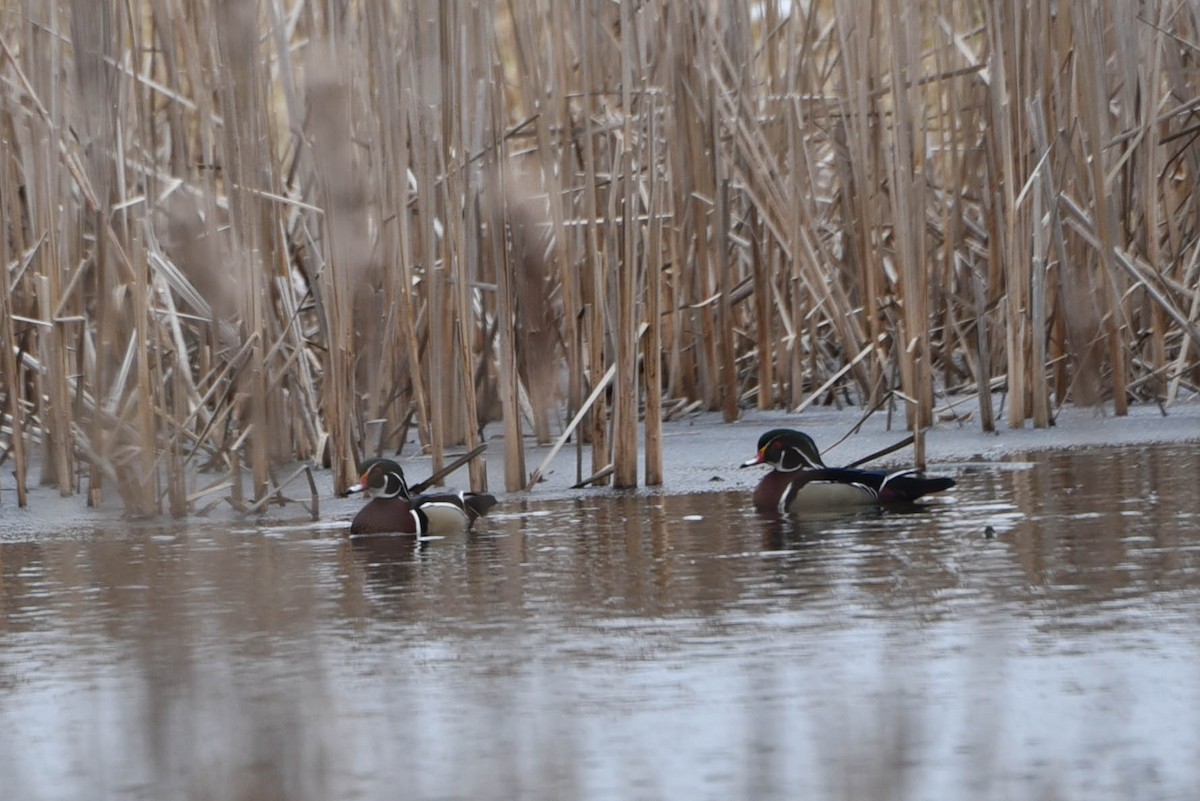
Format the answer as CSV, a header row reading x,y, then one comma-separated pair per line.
x,y
255,233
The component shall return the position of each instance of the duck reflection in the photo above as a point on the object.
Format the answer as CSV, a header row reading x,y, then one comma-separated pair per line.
x,y
387,561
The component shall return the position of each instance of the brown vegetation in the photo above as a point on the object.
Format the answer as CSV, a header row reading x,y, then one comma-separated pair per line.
x,y
242,233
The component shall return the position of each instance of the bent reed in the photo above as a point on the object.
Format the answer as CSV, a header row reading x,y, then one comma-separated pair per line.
x,y
240,235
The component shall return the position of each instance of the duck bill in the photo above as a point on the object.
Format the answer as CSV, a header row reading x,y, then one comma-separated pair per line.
x,y
751,462
361,486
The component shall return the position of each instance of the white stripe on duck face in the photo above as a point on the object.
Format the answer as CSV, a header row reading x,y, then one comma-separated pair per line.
x,y
792,459
826,495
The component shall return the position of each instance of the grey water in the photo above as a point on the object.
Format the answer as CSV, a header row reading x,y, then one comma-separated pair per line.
x,y
1034,633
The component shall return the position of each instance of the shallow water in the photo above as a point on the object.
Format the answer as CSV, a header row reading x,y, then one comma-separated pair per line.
x,y
674,647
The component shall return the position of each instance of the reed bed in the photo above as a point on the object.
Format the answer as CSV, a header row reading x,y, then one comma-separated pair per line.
x,y
240,234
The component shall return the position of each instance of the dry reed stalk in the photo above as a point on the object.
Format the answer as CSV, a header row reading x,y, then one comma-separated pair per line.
x,y
474,72
908,198
329,119
1149,178
1192,273
726,366
557,114
1004,225
700,124
791,298
246,160
1039,401
1043,242
724,111
681,379
654,267
1092,99
764,328
514,451
448,155
677,339
549,84
40,261
625,461
434,365
594,297
58,423
859,132
395,160
9,370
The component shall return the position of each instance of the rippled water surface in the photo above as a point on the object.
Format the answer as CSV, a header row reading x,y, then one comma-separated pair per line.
x,y
1036,634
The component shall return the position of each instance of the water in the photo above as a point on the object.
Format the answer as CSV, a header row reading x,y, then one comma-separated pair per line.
x,y
663,647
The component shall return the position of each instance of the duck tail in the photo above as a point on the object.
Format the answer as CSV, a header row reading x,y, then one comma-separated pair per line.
x,y
908,485
477,504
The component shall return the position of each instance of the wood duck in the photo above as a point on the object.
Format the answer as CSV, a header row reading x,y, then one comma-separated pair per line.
x,y
394,510
800,481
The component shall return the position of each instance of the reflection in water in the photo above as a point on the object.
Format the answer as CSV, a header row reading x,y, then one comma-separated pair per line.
x,y
623,646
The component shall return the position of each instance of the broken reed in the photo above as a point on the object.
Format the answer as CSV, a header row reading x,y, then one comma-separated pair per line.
x,y
274,231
